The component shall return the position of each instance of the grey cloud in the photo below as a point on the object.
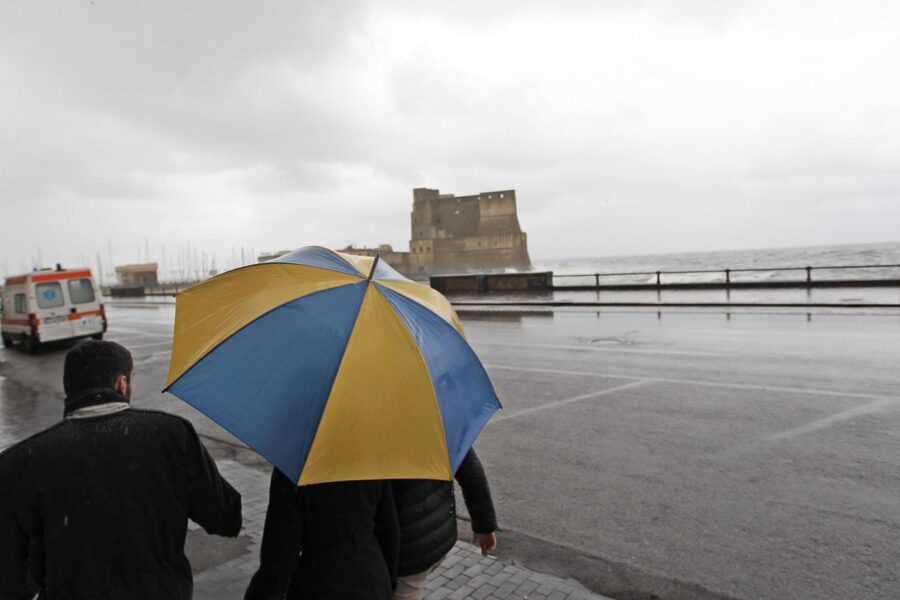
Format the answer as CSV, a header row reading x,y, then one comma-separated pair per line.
x,y
672,125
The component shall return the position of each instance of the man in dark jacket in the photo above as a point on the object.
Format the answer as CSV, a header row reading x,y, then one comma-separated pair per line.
x,y
427,513
347,532
97,505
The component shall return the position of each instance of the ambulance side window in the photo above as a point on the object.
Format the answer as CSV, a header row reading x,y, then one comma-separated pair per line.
x,y
20,304
81,291
49,295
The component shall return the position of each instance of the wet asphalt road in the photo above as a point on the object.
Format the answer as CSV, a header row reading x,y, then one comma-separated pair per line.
x,y
687,455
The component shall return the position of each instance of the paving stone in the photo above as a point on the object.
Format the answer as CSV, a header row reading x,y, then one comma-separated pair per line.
x,y
526,588
456,583
498,579
452,559
519,576
454,571
506,590
470,560
483,591
461,593
439,594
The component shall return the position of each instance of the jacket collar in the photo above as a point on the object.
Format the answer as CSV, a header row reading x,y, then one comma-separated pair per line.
x,y
92,397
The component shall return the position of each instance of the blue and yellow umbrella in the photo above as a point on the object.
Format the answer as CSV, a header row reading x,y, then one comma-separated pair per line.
x,y
332,366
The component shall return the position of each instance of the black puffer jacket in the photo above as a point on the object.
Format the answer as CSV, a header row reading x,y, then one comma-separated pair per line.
x,y
427,513
98,507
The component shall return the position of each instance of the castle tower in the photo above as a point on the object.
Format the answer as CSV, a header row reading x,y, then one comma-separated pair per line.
x,y
457,234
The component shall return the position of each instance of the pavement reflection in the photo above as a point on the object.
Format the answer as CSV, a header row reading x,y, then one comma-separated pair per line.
x,y
24,412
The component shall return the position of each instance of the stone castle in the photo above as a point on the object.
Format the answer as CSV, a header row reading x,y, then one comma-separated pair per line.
x,y
457,234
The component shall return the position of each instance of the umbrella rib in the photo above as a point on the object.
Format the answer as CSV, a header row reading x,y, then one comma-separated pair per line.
x,y
372,271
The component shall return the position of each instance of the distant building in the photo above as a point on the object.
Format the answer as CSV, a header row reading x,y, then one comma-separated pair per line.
x,y
141,275
455,234
398,260
267,256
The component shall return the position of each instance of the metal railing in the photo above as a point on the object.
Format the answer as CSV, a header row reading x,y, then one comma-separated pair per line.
x,y
162,289
168,289
727,273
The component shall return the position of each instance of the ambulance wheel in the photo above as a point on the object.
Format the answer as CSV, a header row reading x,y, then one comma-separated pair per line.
x,y
7,341
31,345
97,336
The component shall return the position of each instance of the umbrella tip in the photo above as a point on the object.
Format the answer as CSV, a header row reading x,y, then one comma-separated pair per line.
x,y
374,263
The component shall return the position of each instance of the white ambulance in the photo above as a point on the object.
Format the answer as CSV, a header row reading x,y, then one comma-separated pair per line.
x,y
51,305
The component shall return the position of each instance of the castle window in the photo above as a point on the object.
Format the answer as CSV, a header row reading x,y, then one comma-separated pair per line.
x,y
501,195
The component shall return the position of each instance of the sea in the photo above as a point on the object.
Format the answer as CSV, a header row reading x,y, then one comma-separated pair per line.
x,y
769,260
858,261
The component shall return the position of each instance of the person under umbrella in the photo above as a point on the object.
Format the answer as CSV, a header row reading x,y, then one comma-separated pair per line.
x,y
329,541
426,510
335,368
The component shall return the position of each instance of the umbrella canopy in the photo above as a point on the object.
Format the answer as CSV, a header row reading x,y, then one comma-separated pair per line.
x,y
332,366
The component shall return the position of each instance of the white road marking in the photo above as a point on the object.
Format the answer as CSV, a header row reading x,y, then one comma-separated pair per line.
x,y
616,349
558,403
156,357
150,345
816,425
714,384
877,402
876,336
114,330
155,317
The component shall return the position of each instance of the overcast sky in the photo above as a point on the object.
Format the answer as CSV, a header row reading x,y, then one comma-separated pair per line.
x,y
624,126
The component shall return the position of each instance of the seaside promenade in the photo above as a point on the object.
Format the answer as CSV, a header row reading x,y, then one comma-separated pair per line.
x,y
682,454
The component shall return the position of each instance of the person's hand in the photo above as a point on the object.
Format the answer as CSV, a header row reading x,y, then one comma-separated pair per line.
x,y
487,542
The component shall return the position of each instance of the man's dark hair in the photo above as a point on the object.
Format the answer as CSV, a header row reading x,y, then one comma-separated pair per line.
x,y
95,365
